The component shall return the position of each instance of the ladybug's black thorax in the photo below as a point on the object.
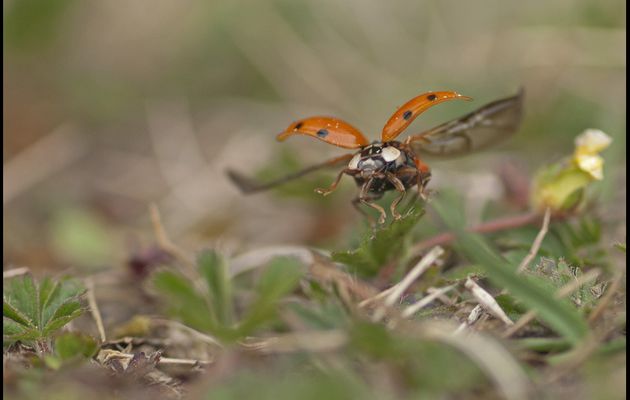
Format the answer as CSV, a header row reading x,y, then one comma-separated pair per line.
x,y
374,160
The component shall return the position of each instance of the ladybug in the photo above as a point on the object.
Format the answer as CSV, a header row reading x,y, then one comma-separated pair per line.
x,y
388,164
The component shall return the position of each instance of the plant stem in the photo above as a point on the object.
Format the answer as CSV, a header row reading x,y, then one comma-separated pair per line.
x,y
496,225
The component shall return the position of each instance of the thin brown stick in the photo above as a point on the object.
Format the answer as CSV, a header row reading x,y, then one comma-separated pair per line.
x,y
13,272
183,361
96,314
496,225
537,242
564,291
165,242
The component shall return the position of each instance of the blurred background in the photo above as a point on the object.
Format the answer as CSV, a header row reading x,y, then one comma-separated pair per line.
x,y
111,106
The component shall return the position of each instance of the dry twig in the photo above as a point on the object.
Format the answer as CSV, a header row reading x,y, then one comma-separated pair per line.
x,y
496,225
414,308
96,314
487,301
165,242
537,242
13,272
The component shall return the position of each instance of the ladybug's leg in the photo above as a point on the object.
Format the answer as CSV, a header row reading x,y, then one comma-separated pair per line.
x,y
356,203
422,177
333,187
422,181
364,198
401,189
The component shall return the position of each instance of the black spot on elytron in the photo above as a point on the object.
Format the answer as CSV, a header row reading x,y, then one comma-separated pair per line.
x,y
407,114
322,133
431,97
299,125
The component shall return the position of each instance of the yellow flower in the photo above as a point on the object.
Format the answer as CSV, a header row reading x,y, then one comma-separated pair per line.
x,y
591,142
561,185
587,146
593,165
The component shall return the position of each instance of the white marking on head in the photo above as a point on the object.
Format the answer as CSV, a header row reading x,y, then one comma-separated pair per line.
x,y
390,154
354,163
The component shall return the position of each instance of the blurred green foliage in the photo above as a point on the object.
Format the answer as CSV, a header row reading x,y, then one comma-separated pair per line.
x,y
80,237
211,308
71,347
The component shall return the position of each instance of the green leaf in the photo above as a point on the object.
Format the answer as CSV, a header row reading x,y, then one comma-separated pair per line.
x,y
12,329
64,314
8,311
22,295
558,314
184,301
211,311
47,290
543,344
215,271
376,249
280,278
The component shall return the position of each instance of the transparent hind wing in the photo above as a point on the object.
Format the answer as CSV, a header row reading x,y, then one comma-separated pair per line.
x,y
248,185
481,128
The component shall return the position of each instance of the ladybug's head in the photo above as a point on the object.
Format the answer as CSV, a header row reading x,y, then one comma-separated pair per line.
x,y
374,157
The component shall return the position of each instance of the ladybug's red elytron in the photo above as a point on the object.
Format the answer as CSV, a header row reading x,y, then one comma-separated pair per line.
x,y
392,165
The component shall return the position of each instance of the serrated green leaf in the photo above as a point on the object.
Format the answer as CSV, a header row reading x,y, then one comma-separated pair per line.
x,y
58,294
40,308
559,315
214,270
376,249
66,309
22,294
8,311
58,323
11,328
47,289
12,331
